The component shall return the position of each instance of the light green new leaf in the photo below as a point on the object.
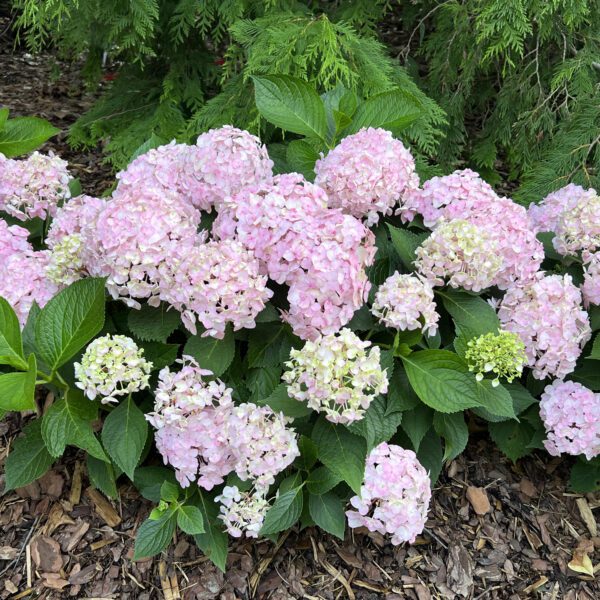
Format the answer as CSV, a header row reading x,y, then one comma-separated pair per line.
x,y
190,520
24,134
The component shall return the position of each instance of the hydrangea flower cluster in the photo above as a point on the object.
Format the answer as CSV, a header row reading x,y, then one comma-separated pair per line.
x,y
591,281
578,229
367,173
65,264
548,316
215,283
546,215
135,239
262,444
336,375
571,416
13,239
320,253
464,188
33,187
395,495
406,302
112,366
77,216
205,437
502,354
460,254
242,512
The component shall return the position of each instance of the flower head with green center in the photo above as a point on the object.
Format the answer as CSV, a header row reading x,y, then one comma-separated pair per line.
x,y
112,366
502,354
65,264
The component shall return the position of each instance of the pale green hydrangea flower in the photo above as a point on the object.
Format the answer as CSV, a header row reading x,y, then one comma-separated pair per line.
x,y
112,366
65,264
502,354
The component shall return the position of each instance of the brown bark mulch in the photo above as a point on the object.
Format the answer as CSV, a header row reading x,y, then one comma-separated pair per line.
x,y
495,530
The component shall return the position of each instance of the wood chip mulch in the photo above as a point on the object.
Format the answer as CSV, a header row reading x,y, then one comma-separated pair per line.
x,y
496,530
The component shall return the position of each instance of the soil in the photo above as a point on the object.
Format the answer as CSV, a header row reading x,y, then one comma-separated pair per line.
x,y
495,529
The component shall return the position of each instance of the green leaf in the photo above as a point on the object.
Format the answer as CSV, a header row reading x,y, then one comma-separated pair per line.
x,y
269,345
301,157
308,453
585,476
594,354
406,243
212,354
416,423
214,541
377,425
322,480
263,382
124,435
3,117
169,492
102,476
69,422
291,104
284,513
341,451
154,141
153,324
190,520
401,396
588,374
362,320
442,380
159,354
70,320
29,458
327,511
11,345
29,332
149,480
154,535
17,390
393,110
430,455
454,430
268,314
472,314
291,482
521,397
24,134
512,437
280,401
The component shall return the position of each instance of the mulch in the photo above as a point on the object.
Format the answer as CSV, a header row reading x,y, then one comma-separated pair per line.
x,y
496,530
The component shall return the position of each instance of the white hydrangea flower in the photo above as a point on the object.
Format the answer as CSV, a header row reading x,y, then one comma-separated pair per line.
x,y
65,263
112,366
337,376
242,512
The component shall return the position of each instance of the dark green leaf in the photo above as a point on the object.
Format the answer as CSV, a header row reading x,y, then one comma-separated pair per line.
x,y
17,390
406,243
212,354
124,435
69,421
377,425
341,451
401,396
291,104
284,513
102,476
269,345
214,541
11,345
159,354
301,158
151,324
430,455
70,320
416,423
308,453
512,437
154,535
263,382
322,480
148,481
327,511
595,353
280,401
454,430
29,458
585,476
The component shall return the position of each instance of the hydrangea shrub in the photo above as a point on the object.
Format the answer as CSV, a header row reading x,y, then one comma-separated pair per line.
x,y
264,367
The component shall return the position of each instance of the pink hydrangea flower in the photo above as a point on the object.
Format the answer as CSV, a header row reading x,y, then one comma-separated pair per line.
x,y
395,495
136,237
190,414
546,215
13,239
591,281
215,283
464,187
227,160
406,302
571,416
34,186
460,254
578,229
548,316
260,442
23,281
367,174
77,216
